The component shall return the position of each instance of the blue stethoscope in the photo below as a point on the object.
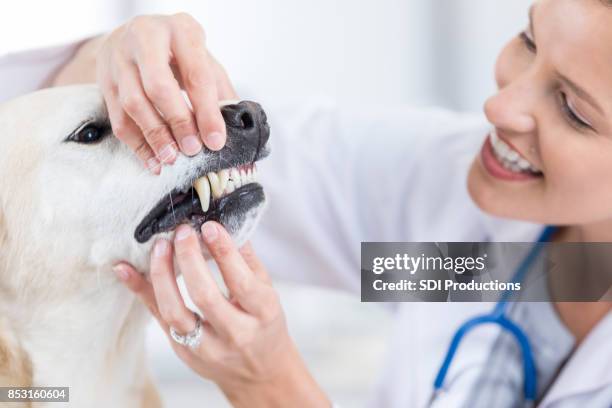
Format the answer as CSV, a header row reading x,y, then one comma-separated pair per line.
x,y
498,317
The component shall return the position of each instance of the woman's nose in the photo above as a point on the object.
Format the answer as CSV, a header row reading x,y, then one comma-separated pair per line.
x,y
511,109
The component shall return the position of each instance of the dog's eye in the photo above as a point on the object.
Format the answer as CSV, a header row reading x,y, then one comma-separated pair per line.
x,y
89,134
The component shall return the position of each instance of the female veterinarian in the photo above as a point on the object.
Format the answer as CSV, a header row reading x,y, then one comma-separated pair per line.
x,y
338,177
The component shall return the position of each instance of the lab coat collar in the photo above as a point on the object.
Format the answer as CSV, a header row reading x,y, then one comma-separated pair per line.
x,y
589,367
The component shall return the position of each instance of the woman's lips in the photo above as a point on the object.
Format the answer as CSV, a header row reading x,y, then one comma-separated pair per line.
x,y
497,170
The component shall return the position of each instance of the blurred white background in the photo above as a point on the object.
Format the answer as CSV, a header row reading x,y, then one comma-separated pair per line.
x,y
422,52
401,51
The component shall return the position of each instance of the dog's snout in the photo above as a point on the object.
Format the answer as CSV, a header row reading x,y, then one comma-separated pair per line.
x,y
247,121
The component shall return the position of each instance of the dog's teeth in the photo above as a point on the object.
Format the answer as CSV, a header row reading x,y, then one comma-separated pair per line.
x,y
214,184
225,182
202,186
235,178
224,176
230,187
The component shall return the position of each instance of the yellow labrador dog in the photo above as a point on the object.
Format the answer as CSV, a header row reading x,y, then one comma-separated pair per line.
x,y
73,202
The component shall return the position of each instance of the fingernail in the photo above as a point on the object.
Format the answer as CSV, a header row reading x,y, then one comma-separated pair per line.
x,y
183,232
191,145
161,248
152,164
167,153
215,141
121,272
209,232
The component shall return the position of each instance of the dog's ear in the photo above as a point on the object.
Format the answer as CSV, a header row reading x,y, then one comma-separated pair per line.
x,y
15,364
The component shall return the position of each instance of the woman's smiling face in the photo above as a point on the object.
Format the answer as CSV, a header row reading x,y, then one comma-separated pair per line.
x,y
550,159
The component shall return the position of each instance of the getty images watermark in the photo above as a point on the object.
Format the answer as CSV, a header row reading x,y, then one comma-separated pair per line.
x,y
476,271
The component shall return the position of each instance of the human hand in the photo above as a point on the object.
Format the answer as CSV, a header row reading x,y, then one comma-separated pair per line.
x,y
141,68
246,348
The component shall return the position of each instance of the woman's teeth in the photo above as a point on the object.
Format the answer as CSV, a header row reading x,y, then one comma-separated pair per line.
x,y
224,182
510,158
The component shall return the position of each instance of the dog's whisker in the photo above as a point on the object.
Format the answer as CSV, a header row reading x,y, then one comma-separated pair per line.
x,y
221,159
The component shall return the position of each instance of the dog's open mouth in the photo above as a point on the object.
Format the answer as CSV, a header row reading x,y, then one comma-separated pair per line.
x,y
212,197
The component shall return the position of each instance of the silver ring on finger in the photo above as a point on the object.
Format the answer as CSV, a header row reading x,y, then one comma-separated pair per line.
x,y
191,339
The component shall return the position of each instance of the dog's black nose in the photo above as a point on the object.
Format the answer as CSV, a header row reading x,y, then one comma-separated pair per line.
x,y
246,122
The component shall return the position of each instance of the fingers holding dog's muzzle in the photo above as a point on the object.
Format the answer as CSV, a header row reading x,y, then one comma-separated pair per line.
x,y
201,286
170,302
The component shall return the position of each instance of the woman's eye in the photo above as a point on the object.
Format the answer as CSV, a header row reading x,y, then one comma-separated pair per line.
x,y
572,116
89,134
528,41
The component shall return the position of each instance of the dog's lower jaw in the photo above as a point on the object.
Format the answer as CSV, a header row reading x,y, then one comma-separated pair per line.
x,y
94,346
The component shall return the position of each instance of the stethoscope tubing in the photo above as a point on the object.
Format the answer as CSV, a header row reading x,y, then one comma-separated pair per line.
x,y
499,318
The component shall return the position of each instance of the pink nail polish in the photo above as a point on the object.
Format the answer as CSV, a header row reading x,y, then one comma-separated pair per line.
x,y
215,141
161,248
167,153
153,165
209,232
183,232
121,272
191,145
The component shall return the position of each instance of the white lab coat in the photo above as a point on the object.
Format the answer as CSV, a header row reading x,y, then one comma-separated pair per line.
x,y
340,175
